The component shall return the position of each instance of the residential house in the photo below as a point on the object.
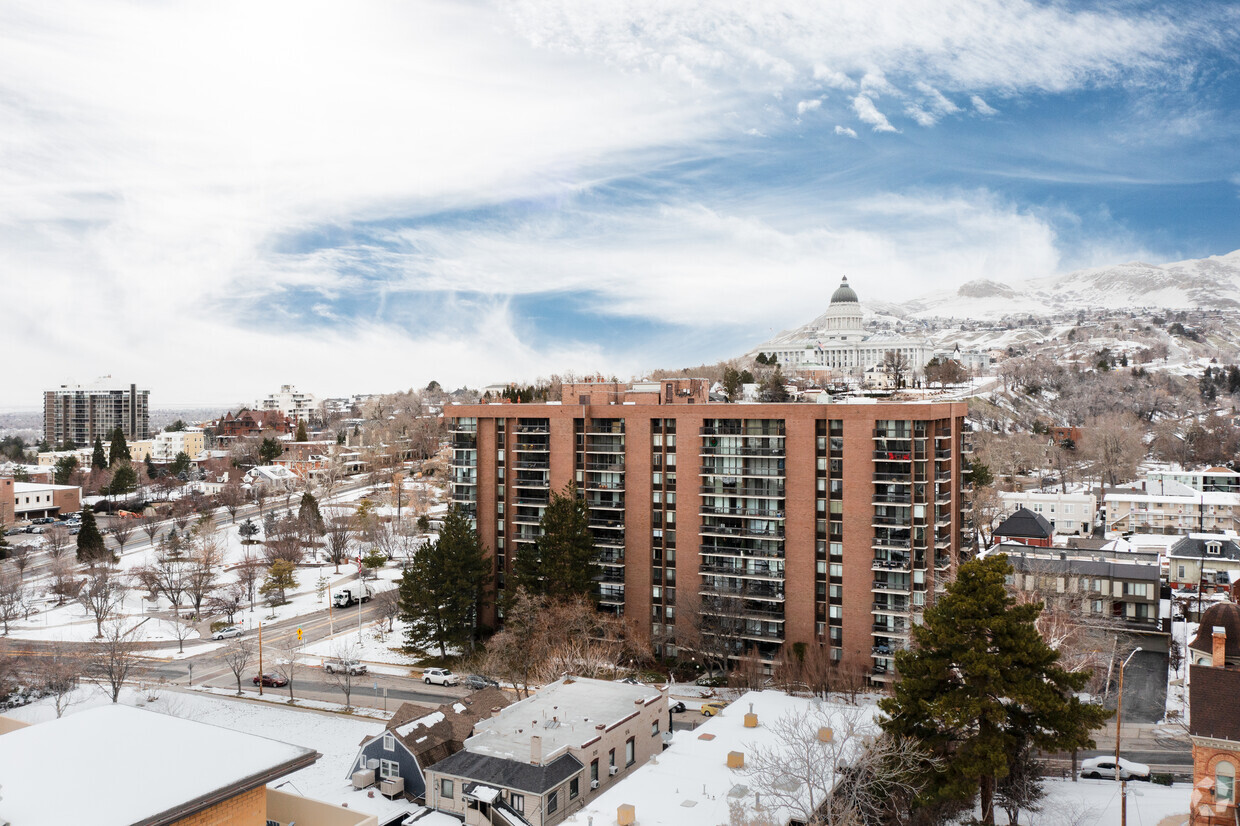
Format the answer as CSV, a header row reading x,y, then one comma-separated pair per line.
x,y
414,739
230,427
191,441
543,757
1214,728
1202,650
220,778
1024,527
1067,513
1213,479
1206,561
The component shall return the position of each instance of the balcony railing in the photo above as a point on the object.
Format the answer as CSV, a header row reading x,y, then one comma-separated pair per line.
x,y
777,452
707,510
764,492
711,470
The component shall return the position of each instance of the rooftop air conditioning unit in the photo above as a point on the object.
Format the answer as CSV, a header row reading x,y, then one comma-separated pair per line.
x,y
392,786
362,779
613,770
593,784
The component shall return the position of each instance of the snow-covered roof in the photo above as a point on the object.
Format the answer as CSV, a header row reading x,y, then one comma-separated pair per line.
x,y
37,487
567,712
1193,497
102,766
690,782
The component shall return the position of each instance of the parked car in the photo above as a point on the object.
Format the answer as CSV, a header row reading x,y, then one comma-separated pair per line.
x,y
270,680
439,676
75,530
1104,767
677,707
226,633
14,531
713,707
345,667
477,681
44,520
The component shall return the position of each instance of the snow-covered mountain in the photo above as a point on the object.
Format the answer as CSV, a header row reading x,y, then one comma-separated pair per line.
x,y
1212,283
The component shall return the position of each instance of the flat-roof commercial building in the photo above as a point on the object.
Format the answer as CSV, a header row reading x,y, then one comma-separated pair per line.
x,y
784,524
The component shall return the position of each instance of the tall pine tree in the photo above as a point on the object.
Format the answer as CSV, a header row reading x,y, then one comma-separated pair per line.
x,y
119,450
980,684
563,562
309,516
90,547
98,459
301,435
444,589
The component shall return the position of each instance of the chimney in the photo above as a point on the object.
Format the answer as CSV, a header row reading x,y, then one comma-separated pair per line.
x,y
1219,654
535,750
736,760
751,719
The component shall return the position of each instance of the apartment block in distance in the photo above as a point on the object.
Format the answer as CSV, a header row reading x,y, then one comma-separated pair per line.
x,y
81,412
825,524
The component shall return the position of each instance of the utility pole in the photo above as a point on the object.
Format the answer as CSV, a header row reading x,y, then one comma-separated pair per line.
x,y
1119,721
260,658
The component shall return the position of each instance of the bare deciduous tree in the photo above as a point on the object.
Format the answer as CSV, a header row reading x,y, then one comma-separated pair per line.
x,y
57,540
833,766
286,664
12,595
20,557
149,522
102,592
238,656
339,523
344,654
231,498
65,584
228,599
114,658
57,672
121,531
249,571
387,606
202,576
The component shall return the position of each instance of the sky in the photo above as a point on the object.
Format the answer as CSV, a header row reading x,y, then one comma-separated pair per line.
x,y
214,199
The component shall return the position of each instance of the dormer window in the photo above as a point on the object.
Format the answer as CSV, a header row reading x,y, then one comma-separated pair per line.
x,y
1214,548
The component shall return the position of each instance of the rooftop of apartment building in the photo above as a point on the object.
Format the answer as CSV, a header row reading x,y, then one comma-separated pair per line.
x,y
565,713
1132,566
1206,545
692,782
103,384
111,754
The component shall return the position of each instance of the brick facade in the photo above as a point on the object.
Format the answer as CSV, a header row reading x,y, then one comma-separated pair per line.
x,y
246,809
823,524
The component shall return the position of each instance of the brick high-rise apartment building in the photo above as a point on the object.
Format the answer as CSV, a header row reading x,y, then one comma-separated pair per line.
x,y
827,523
81,412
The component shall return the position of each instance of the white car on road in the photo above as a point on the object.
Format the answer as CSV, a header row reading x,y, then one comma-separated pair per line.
x,y
230,631
1104,767
439,676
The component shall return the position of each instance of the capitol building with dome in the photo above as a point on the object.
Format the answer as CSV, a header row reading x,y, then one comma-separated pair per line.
x,y
837,343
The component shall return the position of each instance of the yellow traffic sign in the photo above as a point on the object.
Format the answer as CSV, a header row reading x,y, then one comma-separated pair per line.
x,y
299,635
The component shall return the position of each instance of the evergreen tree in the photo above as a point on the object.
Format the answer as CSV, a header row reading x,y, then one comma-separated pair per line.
x,y
180,464
301,435
309,516
90,547
152,472
563,563
98,459
119,450
443,590
980,684
124,480
64,469
270,450
731,383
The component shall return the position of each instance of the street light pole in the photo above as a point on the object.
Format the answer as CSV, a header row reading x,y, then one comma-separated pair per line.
x,y
1119,721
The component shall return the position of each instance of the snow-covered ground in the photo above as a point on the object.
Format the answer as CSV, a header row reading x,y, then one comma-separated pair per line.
x,y
335,736
1090,802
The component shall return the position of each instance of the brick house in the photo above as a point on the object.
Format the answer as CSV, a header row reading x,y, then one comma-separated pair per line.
x,y
1215,731
1026,528
230,427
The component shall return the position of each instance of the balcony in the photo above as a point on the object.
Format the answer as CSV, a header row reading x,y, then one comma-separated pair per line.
x,y
602,522
535,500
891,608
893,478
708,510
532,464
892,499
737,550
604,448
534,484
533,429
892,587
881,433
891,565
599,429
740,571
762,592
531,447
607,467
728,450
890,521
740,431
738,473
592,484
728,530
893,456
760,492
889,542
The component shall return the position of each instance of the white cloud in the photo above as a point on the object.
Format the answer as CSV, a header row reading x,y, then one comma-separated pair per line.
x,y
981,107
804,106
845,131
867,112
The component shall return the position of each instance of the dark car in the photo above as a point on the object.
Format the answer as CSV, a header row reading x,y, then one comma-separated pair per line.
x,y
677,707
477,681
270,680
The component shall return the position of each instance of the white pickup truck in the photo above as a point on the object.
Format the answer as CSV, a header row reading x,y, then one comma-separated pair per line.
x,y
352,667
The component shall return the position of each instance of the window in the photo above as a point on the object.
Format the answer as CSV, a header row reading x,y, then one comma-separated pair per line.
x,y
630,753
574,788
553,802
594,771
611,758
517,802
654,728
1213,548
1225,783
1181,572
445,789
389,769
389,742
